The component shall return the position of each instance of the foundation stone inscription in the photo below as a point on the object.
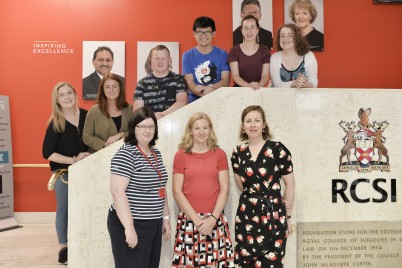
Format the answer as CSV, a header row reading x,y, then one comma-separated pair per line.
x,y
350,244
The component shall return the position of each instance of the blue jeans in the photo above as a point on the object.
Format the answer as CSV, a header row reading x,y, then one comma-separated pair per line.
x,y
61,190
148,250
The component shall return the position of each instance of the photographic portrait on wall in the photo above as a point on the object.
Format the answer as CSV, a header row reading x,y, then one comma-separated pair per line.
x,y
309,16
98,59
261,10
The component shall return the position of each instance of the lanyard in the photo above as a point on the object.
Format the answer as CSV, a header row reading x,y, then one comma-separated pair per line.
x,y
152,165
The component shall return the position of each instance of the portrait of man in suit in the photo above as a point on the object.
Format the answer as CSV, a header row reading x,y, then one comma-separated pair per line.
x,y
103,59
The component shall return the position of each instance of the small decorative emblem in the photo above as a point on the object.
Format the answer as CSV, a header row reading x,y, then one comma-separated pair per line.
x,y
367,140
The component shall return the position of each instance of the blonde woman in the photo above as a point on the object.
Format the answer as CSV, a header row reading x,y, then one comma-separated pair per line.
x,y
304,13
201,188
63,146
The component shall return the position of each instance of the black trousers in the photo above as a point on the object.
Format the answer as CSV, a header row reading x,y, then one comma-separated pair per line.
x,y
148,250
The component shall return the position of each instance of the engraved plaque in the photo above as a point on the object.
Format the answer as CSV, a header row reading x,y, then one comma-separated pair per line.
x,y
350,244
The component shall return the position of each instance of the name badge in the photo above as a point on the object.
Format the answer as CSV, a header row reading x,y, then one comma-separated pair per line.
x,y
162,192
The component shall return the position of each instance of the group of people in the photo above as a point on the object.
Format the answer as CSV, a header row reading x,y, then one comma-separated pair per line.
x,y
207,67
139,216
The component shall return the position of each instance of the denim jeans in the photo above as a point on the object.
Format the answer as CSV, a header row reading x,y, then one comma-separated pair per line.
x,y
61,190
148,250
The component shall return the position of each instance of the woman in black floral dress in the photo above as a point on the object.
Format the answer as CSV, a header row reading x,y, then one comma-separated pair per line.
x,y
263,216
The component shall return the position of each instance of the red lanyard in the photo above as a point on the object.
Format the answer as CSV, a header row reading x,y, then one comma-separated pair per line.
x,y
156,161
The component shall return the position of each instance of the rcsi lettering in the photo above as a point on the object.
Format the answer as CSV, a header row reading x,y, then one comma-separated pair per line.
x,y
340,186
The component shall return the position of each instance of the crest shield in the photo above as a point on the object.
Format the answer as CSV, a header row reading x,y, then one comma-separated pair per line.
x,y
364,151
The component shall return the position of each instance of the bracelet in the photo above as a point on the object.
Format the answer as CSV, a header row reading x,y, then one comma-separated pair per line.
x,y
123,135
212,215
166,217
288,216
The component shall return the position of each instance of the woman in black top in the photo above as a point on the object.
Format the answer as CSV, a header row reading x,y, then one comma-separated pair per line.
x,y
63,146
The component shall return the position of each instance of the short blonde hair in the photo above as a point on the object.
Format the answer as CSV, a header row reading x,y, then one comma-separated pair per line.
x,y
148,68
303,4
187,139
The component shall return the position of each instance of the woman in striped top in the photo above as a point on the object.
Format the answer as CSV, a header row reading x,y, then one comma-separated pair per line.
x,y
139,215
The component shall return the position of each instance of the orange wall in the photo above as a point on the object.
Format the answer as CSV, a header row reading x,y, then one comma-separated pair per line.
x,y
354,57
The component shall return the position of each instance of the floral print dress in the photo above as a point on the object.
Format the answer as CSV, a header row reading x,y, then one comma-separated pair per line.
x,y
260,224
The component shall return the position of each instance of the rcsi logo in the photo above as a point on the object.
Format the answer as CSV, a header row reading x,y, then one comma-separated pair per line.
x,y
364,138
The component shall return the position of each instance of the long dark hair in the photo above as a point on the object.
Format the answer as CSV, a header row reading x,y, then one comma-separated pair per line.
x,y
102,100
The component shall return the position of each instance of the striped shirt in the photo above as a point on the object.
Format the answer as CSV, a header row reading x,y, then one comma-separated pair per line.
x,y
159,94
142,190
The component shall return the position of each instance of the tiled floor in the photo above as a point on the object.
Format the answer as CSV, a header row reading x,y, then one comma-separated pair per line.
x,y
33,245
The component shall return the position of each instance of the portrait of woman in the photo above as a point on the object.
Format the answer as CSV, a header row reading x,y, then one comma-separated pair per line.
x,y
293,65
139,215
304,14
107,120
263,215
201,188
63,146
249,61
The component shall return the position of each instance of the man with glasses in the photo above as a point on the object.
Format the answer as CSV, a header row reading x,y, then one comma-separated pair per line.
x,y
204,67
252,7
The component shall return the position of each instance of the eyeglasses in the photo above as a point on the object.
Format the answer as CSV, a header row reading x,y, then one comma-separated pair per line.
x,y
200,33
254,13
144,127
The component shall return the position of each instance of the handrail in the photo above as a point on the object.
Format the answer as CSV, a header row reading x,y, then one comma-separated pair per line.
x,y
31,165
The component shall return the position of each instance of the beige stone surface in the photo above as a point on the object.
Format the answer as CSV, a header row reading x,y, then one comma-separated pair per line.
x,y
306,121
350,244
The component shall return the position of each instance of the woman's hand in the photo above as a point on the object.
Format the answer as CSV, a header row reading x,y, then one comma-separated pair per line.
x,y
159,115
301,81
206,225
131,236
289,226
81,156
113,139
166,230
254,85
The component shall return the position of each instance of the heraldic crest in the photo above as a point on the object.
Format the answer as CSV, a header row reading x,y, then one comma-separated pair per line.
x,y
367,140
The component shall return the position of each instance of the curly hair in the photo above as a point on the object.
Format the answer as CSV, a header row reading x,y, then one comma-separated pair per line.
x,y
301,45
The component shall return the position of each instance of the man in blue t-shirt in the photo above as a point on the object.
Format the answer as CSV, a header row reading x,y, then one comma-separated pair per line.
x,y
204,67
